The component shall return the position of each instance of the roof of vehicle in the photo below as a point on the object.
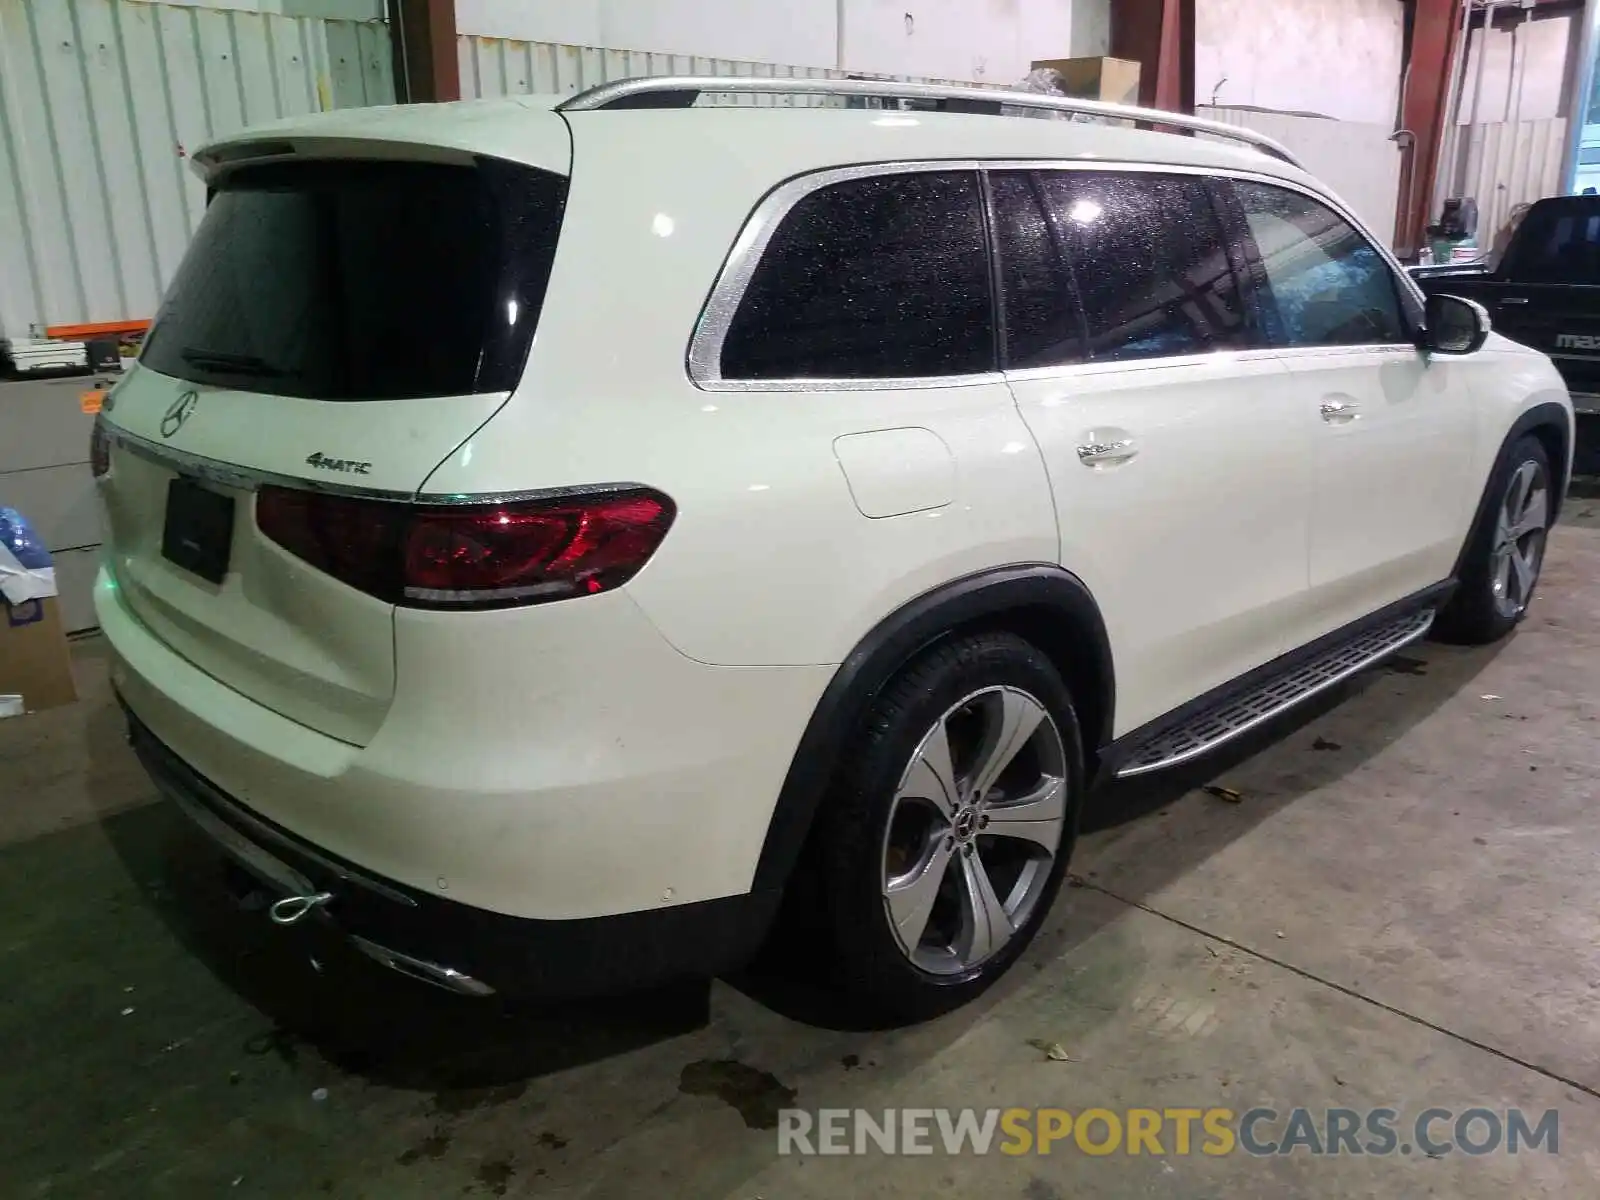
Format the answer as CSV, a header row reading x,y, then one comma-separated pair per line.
x,y
791,139
1586,202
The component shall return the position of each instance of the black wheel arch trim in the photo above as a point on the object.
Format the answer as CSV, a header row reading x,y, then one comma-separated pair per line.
x,y
969,602
1547,415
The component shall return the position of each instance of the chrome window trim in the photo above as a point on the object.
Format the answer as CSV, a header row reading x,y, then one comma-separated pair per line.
x,y
727,292
1205,358
251,479
850,385
1120,366
1397,349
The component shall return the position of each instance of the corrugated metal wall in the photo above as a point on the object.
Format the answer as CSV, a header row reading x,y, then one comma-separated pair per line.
x,y
1501,165
100,101
1356,160
501,67
506,67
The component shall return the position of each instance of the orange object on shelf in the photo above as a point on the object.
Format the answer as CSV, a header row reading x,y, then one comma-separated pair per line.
x,y
78,333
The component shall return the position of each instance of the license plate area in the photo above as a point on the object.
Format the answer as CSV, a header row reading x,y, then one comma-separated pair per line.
x,y
197,534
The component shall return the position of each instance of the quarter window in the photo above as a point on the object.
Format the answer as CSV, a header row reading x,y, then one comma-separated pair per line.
x,y
1326,285
878,278
1149,261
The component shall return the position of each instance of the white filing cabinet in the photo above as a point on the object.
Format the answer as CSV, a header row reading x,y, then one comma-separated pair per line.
x,y
44,475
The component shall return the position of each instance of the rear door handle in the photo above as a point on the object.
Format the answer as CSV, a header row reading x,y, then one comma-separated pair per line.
x,y
1093,454
1340,410
1514,300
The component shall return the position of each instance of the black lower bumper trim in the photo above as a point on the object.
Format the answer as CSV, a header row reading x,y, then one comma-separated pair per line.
x,y
548,959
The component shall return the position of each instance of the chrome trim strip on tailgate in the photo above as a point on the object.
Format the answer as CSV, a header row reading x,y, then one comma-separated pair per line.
x,y
245,479
250,479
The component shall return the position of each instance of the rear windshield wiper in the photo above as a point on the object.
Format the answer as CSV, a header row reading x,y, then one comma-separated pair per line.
x,y
232,364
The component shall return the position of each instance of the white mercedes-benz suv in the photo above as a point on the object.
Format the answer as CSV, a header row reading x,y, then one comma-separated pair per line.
x,y
541,531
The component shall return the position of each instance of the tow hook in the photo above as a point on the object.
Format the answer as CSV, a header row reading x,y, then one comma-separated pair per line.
x,y
293,909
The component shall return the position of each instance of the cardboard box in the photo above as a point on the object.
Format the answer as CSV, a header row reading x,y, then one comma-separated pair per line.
x,y
34,660
1115,80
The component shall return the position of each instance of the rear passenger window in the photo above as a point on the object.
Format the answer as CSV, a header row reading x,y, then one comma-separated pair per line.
x,y
1326,284
1150,263
878,278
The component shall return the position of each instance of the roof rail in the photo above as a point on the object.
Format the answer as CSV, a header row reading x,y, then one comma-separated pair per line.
x,y
681,91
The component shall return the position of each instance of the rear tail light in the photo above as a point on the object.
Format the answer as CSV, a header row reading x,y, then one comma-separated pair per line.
x,y
99,451
470,556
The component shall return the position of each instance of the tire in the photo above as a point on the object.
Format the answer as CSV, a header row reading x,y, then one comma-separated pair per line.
x,y
891,840
1505,552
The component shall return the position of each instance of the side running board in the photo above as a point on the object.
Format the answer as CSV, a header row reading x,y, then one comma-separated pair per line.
x,y
1231,717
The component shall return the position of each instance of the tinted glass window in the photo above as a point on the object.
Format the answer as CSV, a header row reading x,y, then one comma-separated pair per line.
x,y
363,280
885,277
1040,316
1150,263
1559,243
1325,283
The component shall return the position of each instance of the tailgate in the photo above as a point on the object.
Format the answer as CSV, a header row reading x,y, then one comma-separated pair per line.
x,y
337,325
253,616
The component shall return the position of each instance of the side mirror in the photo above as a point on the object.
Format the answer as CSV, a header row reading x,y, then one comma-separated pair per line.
x,y
1454,325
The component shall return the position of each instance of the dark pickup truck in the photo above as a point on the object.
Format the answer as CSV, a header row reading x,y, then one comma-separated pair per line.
x,y
1544,289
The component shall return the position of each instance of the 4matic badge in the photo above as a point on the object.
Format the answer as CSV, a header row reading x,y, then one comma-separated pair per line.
x,y
349,466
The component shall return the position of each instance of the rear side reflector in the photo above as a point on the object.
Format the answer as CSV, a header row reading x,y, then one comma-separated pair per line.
x,y
470,556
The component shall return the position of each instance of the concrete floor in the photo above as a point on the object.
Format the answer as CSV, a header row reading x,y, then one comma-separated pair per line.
x,y
1401,911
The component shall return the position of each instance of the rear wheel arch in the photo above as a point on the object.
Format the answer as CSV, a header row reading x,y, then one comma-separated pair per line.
x,y
1554,431
1549,423
1042,603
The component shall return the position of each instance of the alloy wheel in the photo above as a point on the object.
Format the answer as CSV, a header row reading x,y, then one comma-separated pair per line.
x,y
1519,539
974,830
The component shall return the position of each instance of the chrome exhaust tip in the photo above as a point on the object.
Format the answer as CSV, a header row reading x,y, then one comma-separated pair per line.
x,y
448,978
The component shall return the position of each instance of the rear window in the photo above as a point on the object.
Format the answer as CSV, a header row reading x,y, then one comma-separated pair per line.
x,y
363,280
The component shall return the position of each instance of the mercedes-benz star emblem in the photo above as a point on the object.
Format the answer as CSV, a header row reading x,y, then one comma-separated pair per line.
x,y
178,413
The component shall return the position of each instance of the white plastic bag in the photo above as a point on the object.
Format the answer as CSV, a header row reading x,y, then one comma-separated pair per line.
x,y
26,572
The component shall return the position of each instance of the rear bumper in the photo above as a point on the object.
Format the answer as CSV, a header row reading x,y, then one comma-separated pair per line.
x,y
562,807
575,768
467,950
